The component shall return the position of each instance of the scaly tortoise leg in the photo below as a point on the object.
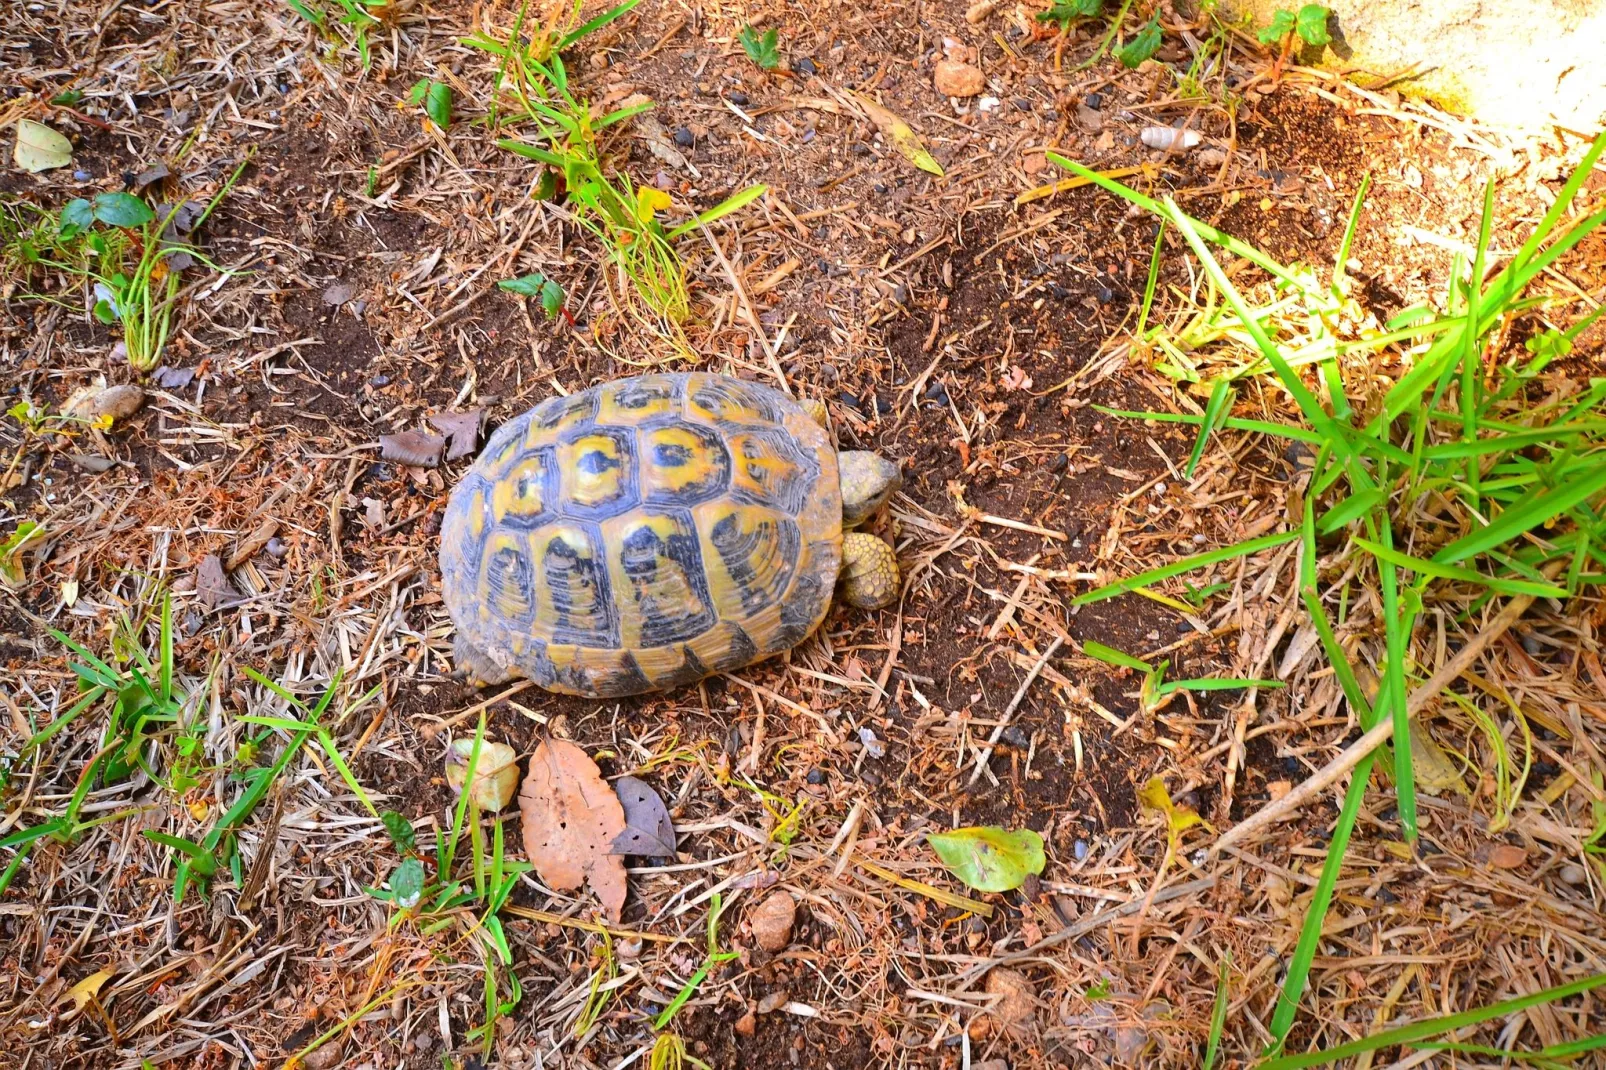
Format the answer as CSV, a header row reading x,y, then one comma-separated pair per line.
x,y
869,578
475,666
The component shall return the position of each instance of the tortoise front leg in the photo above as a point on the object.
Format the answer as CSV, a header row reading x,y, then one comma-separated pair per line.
x,y
869,578
476,666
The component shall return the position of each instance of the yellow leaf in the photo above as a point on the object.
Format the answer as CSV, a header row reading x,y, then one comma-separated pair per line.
x,y
1178,819
650,199
902,136
1434,770
69,593
199,809
87,989
40,148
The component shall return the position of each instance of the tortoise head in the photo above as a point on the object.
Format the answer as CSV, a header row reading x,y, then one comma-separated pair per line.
x,y
868,480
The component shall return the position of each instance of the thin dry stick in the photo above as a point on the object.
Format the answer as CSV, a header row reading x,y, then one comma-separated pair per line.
x,y
1085,926
1020,693
1380,734
752,313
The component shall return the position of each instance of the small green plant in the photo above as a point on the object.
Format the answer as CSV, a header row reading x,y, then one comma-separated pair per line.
x,y
1309,23
531,43
1066,12
26,533
1157,691
762,48
1142,46
345,22
537,285
1470,476
436,898
713,958
623,217
436,97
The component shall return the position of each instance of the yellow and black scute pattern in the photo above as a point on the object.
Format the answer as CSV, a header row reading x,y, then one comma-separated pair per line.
x,y
645,533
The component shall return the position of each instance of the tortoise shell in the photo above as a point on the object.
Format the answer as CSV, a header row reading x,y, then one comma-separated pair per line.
x,y
645,533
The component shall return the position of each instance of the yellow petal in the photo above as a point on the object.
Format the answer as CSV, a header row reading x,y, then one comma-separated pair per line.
x,y
87,989
902,136
1178,819
650,199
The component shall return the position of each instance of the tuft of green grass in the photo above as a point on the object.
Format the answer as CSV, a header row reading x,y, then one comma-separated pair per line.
x,y
622,217
344,23
1472,475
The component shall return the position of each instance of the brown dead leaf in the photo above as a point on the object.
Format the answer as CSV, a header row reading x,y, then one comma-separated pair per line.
x,y
571,818
417,448
212,583
462,431
247,547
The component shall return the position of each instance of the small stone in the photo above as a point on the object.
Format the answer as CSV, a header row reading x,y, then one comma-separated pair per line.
x,y
991,1064
772,921
1507,856
82,176
817,776
1105,295
804,66
958,79
114,403
1015,736
322,1058
684,137
772,1002
737,97
1094,100
747,1024
1079,849
1572,873
1015,1008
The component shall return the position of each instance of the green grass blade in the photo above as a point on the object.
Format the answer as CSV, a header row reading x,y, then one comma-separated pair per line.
x,y
1221,396
531,152
596,24
1310,934
1350,510
1152,284
1111,656
1409,1034
1518,520
734,202
1218,1015
1397,625
1264,427
1187,564
1215,683
1324,627
1442,571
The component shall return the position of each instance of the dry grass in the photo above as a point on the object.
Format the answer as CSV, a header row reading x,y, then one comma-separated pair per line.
x,y
914,305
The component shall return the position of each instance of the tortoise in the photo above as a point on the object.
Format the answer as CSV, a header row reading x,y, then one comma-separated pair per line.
x,y
651,531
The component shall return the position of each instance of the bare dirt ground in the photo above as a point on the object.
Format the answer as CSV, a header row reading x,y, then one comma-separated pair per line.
x,y
946,325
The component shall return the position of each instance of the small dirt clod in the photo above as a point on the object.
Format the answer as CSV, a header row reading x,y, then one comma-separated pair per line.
x,y
772,921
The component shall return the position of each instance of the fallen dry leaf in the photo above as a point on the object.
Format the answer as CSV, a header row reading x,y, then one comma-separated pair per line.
x,y
87,989
417,448
496,771
648,831
571,818
173,378
212,583
1507,856
902,136
1016,1007
462,431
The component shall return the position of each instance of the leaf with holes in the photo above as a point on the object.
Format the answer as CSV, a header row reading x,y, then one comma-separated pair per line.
x,y
989,858
648,830
571,819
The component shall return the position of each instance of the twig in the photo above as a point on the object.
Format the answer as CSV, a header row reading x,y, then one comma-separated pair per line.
x,y
1085,926
747,305
1020,693
1380,734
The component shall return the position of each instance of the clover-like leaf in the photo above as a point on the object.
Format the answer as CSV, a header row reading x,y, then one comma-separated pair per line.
x,y
989,858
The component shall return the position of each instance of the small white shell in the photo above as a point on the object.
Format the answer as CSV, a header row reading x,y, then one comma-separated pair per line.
x,y
1169,137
